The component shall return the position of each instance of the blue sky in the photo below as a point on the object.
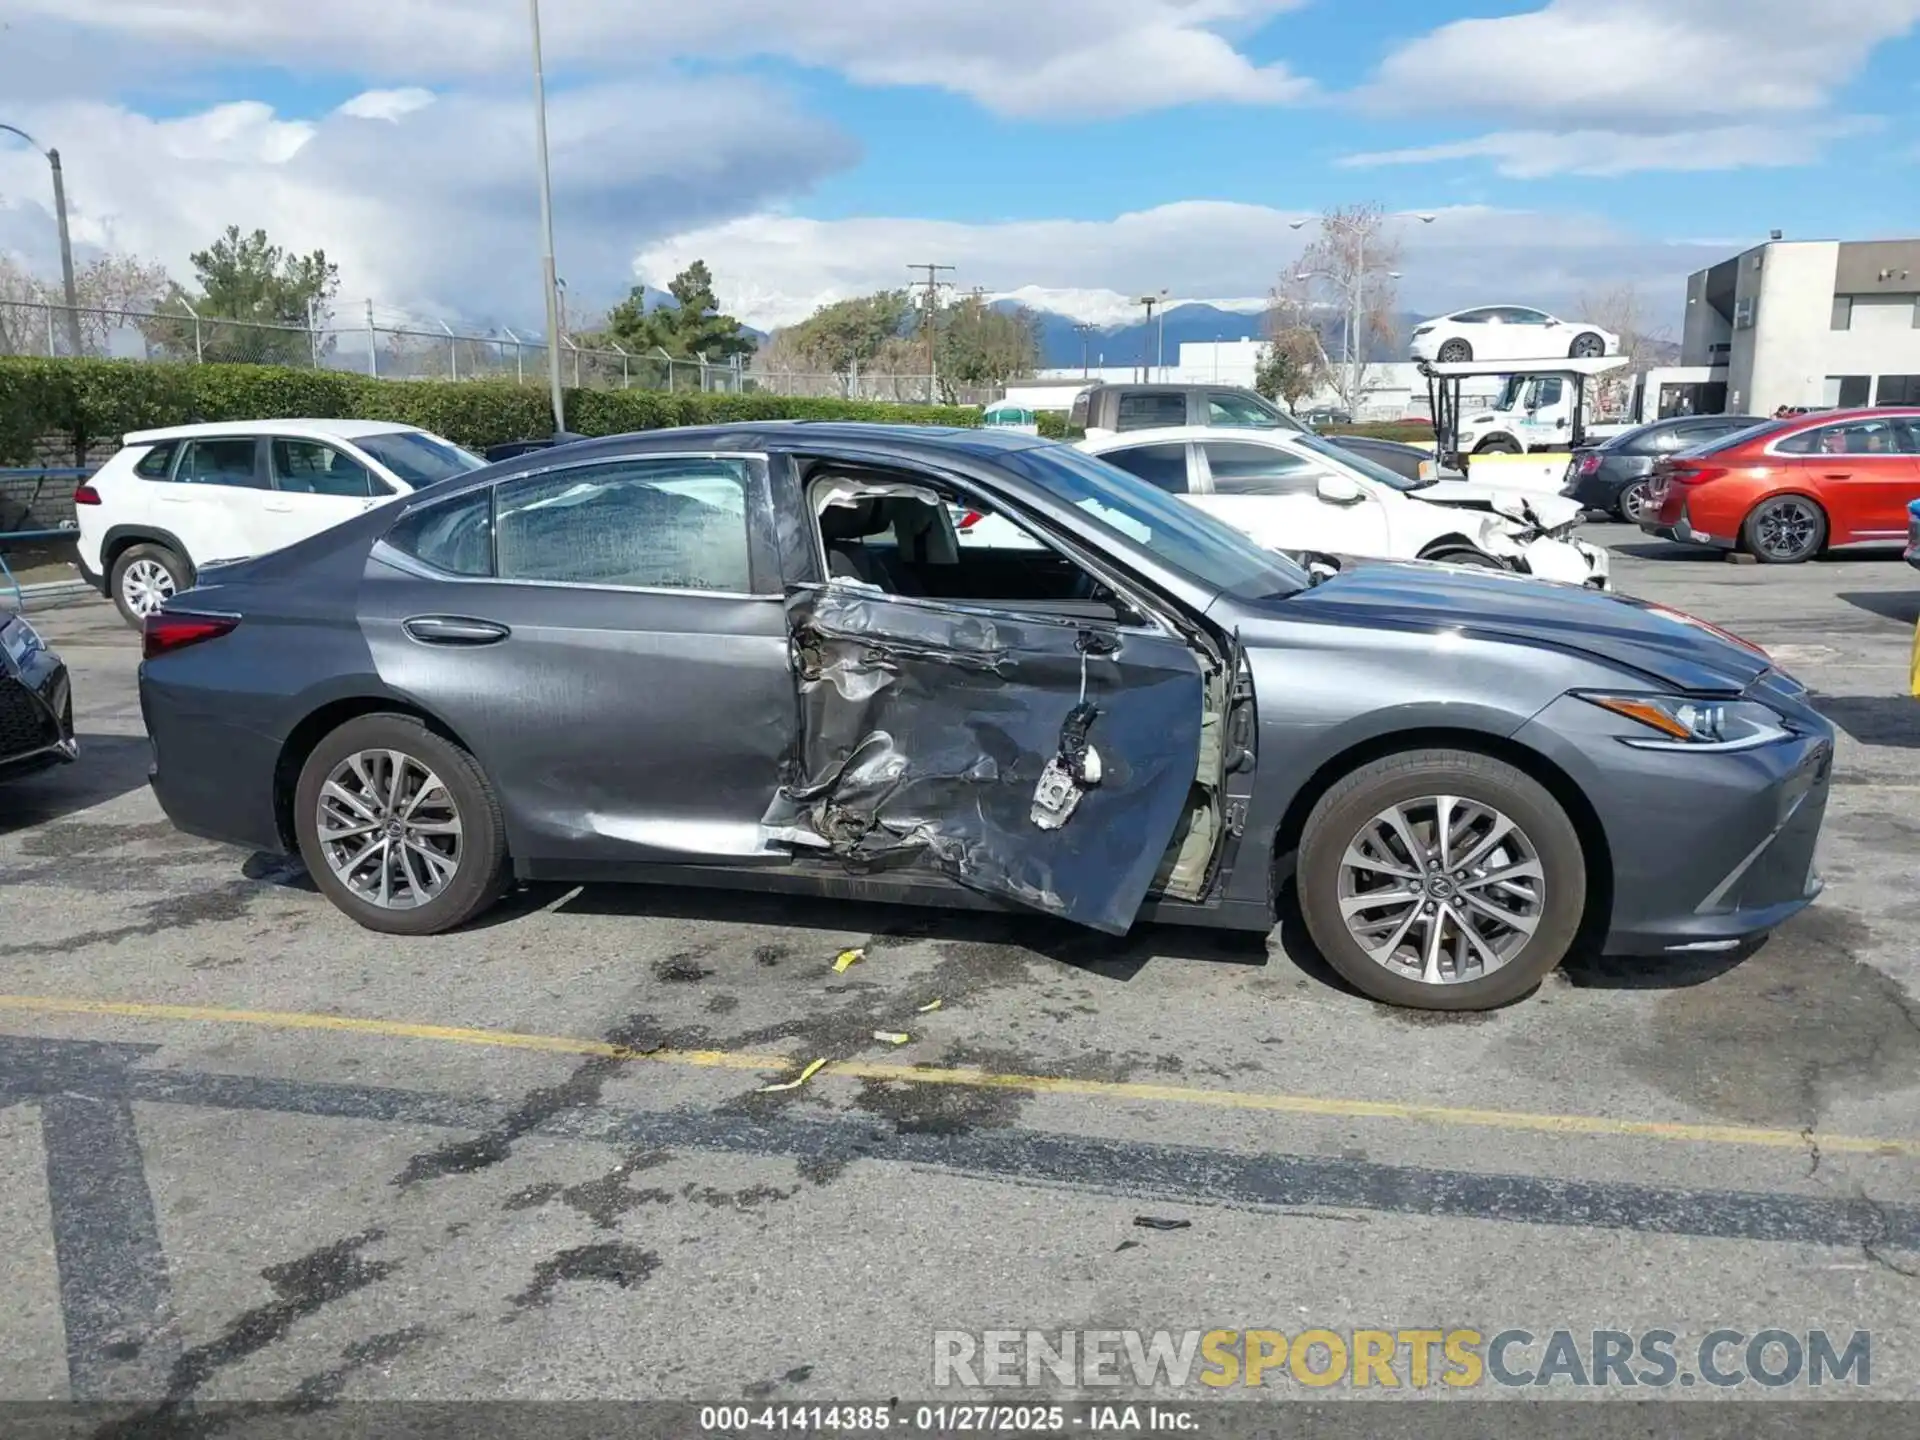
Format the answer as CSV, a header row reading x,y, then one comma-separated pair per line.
x,y
1071,151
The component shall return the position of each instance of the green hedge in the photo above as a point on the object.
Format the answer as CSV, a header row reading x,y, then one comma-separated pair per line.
x,y
1054,424
95,401
1408,432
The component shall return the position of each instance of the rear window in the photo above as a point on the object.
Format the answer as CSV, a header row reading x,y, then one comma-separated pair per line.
x,y
418,458
1151,411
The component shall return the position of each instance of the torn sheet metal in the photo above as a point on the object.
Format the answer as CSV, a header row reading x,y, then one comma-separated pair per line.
x,y
926,728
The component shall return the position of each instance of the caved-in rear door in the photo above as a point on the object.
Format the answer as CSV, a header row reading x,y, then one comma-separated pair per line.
x,y
1044,761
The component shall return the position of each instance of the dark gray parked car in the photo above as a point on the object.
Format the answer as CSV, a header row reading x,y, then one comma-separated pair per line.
x,y
1613,476
36,702
755,656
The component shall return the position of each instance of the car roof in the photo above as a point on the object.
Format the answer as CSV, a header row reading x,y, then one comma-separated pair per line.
x,y
1169,434
754,435
333,429
1814,418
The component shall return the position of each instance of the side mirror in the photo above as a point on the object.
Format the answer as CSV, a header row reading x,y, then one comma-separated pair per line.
x,y
1561,423
1339,490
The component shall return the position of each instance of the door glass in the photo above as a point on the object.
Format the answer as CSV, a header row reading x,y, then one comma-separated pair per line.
x,y
1162,466
157,462
455,536
1240,410
1861,437
306,467
1240,469
222,462
677,524
1151,411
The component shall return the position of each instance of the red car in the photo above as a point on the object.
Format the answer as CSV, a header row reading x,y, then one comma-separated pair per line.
x,y
1786,490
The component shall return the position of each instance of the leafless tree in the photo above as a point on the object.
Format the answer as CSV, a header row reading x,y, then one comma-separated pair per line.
x,y
1622,310
1353,263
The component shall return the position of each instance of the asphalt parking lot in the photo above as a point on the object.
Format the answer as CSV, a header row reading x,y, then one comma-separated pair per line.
x,y
248,1150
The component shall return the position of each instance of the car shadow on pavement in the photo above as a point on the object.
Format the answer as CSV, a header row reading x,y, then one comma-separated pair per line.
x,y
1110,957
109,766
1666,550
1587,969
1901,605
1889,720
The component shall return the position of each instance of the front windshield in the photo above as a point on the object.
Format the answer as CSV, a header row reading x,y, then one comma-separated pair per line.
x,y
1191,541
1353,460
1510,393
417,457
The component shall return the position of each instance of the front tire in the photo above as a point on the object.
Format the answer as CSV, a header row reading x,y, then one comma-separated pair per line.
x,y
1498,445
1587,346
399,827
1785,530
1455,352
144,577
1442,879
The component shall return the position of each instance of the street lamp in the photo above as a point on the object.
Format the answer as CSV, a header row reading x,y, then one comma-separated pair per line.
x,y
1356,300
66,245
1150,301
550,281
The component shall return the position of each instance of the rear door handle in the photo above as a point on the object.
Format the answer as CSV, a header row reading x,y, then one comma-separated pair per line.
x,y
454,630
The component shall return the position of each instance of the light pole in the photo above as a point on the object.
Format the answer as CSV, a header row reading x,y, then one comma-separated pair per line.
x,y
66,244
550,280
1356,300
1150,301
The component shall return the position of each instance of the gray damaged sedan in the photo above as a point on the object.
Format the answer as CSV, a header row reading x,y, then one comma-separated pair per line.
x,y
757,657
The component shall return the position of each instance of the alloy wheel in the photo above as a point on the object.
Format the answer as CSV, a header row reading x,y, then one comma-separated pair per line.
x,y
1785,529
146,585
1455,352
389,829
1442,889
1589,347
1633,502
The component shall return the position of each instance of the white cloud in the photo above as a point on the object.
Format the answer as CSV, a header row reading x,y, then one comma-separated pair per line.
x,y
1640,65
387,104
1034,57
1531,154
431,208
775,269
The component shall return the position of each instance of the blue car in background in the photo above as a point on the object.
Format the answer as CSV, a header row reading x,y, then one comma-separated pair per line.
x,y
1913,533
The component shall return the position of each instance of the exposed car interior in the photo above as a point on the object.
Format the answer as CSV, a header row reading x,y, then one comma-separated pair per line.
x,y
895,532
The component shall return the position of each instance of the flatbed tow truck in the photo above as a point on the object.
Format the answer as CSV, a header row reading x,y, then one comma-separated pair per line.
x,y
1541,417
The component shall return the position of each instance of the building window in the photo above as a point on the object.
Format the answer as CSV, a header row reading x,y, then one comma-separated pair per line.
x,y
1847,391
1896,390
1843,312
1743,313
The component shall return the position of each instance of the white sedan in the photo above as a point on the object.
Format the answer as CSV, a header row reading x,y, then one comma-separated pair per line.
x,y
1304,495
1510,332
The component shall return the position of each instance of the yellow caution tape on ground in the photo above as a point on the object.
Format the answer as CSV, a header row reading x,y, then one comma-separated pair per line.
x,y
805,1075
1913,672
846,958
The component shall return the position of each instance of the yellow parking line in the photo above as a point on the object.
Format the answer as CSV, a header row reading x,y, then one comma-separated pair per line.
x,y
1325,1107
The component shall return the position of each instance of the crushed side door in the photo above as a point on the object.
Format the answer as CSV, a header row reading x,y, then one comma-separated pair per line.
x,y
959,738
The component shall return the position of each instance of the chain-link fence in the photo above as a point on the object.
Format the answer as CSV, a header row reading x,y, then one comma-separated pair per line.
x,y
408,349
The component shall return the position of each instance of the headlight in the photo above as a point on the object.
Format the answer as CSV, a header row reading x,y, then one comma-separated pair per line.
x,y
1682,724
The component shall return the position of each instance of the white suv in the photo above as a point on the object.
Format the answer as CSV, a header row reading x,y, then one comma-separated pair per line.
x,y
172,501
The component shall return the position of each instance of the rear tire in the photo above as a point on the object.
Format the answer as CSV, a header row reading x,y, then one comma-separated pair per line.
x,y
1539,851
1586,346
443,804
1631,504
1455,352
1785,530
144,577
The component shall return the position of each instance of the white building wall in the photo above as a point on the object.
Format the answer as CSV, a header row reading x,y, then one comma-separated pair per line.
x,y
1792,330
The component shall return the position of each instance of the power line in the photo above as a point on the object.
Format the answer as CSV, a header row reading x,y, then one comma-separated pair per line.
x,y
930,319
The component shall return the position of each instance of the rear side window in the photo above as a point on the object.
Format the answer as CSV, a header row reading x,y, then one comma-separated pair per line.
x,y
231,463
1162,466
455,537
157,463
675,524
1151,411
1227,408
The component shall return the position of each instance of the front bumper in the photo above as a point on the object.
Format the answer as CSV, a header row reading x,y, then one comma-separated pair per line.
x,y
1571,562
1707,850
36,713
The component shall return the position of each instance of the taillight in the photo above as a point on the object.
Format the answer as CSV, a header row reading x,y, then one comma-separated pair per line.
x,y
163,633
1589,463
85,495
968,520
1693,472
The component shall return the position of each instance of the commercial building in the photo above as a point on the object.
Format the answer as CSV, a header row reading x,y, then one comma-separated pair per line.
x,y
1806,322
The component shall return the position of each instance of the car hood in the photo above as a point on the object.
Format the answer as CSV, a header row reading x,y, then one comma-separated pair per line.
x,y
1547,512
1675,650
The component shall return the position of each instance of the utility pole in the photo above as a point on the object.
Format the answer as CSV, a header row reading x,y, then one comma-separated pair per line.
x,y
1083,330
932,321
1150,301
66,243
546,227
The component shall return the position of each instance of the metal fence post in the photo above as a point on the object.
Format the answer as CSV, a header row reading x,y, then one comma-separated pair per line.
x,y
453,352
373,345
621,350
199,355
